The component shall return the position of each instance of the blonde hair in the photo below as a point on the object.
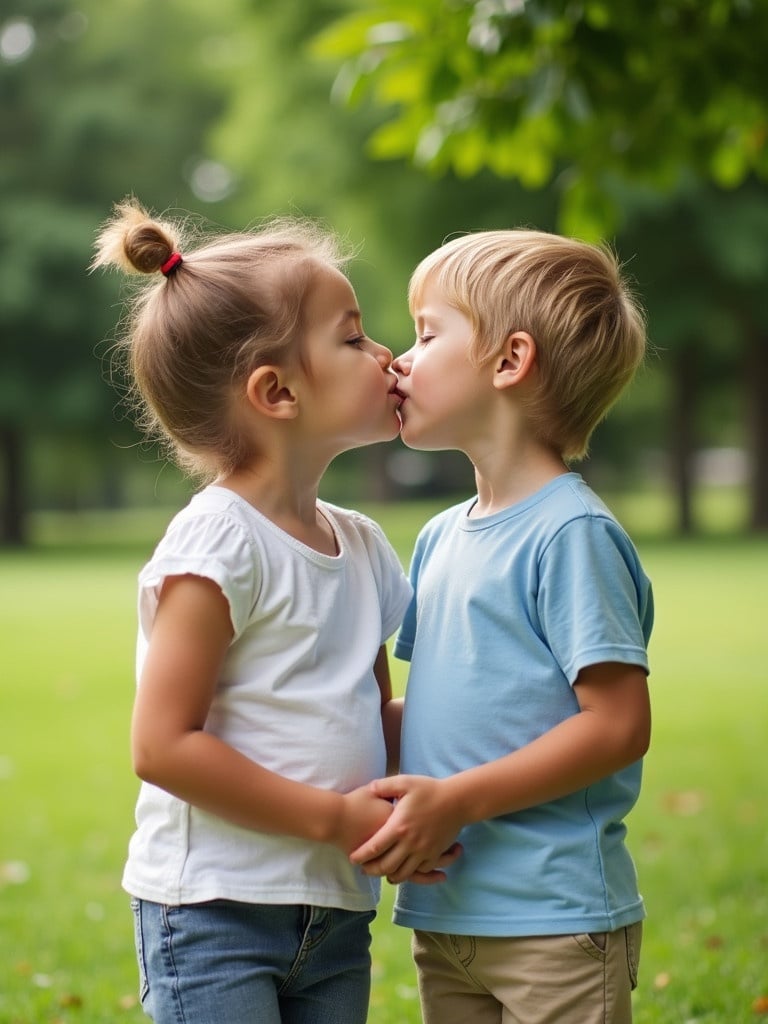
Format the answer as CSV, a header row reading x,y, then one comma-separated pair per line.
x,y
233,303
570,297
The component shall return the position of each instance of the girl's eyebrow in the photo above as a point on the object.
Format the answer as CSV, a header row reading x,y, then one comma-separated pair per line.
x,y
351,314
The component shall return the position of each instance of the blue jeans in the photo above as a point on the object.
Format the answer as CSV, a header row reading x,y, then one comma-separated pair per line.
x,y
217,962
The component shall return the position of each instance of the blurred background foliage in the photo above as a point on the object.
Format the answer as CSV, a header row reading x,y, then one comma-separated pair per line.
x,y
398,123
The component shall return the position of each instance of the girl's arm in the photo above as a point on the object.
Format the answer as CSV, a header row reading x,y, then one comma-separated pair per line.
x,y
190,637
391,710
611,731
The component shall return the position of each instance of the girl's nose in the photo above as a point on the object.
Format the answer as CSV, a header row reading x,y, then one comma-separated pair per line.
x,y
383,355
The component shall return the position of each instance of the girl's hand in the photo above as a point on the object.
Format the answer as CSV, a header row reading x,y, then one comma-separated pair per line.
x,y
361,814
419,837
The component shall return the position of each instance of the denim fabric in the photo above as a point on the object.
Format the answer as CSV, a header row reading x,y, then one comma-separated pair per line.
x,y
210,963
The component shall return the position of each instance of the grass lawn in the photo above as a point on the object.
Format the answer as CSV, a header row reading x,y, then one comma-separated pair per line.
x,y
699,834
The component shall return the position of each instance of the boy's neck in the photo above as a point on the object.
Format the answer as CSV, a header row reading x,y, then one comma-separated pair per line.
x,y
503,482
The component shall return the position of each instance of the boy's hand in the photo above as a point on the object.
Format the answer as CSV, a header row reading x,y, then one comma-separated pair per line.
x,y
419,837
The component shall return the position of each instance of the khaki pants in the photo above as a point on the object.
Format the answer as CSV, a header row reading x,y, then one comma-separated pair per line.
x,y
548,979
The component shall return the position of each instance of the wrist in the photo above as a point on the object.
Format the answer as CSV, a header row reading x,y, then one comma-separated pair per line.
x,y
463,802
324,822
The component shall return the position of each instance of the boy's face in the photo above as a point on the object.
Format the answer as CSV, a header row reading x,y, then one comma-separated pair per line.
x,y
446,397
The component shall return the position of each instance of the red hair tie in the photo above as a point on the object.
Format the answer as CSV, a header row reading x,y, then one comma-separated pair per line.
x,y
171,264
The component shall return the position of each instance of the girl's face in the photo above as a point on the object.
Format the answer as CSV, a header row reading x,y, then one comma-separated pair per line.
x,y
350,393
445,396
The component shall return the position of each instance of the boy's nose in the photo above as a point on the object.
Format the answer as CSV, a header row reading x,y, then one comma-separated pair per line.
x,y
402,363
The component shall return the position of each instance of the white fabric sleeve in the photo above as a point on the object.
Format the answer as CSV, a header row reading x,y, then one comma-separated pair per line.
x,y
392,583
212,546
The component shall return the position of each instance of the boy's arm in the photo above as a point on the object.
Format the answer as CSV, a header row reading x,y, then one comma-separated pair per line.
x,y
610,731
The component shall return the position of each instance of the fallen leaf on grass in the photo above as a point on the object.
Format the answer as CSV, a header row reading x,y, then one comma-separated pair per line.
x,y
14,872
760,1005
69,999
686,803
662,980
127,1002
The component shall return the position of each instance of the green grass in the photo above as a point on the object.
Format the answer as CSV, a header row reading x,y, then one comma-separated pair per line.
x,y
699,834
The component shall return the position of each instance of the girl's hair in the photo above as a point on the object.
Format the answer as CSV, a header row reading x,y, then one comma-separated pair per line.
x,y
191,338
570,297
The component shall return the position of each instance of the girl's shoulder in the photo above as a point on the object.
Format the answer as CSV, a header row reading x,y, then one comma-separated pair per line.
x,y
210,538
359,532
350,520
210,517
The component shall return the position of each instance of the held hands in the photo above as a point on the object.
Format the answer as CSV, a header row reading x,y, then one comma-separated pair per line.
x,y
417,840
361,813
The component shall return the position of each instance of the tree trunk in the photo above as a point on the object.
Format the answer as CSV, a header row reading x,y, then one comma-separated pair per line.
x,y
12,526
757,426
376,482
682,440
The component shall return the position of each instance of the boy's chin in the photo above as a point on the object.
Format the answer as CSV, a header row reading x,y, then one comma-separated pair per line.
x,y
410,438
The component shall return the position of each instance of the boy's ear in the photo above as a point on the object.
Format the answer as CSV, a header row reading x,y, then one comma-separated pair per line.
x,y
269,392
514,362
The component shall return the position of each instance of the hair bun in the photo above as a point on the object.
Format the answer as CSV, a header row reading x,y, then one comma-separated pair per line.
x,y
135,241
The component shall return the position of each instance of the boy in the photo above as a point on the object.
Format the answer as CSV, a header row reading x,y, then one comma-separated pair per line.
x,y
527,712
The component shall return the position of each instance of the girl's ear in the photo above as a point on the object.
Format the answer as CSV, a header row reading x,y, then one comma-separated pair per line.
x,y
515,360
269,392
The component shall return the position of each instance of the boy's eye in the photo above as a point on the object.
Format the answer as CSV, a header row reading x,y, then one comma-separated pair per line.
x,y
356,341
424,339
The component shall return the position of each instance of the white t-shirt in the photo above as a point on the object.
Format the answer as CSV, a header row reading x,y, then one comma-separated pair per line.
x,y
297,694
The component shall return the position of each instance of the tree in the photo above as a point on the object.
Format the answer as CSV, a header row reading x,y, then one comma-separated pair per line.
x,y
317,166
701,263
572,92
604,103
96,102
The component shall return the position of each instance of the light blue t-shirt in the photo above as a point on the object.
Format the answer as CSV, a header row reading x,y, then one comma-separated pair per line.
x,y
507,610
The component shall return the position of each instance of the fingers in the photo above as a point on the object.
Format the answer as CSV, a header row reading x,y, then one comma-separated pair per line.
x,y
425,878
413,868
391,787
372,851
407,869
453,853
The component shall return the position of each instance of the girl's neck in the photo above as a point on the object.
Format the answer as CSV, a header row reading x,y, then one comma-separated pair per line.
x,y
288,502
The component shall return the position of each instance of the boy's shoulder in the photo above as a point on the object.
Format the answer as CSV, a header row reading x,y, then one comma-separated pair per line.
x,y
563,498
570,496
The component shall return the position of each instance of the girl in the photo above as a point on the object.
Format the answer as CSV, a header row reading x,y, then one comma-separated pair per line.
x,y
263,695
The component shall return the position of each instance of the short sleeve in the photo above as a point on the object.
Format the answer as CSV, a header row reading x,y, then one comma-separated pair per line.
x,y
392,584
213,546
595,603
